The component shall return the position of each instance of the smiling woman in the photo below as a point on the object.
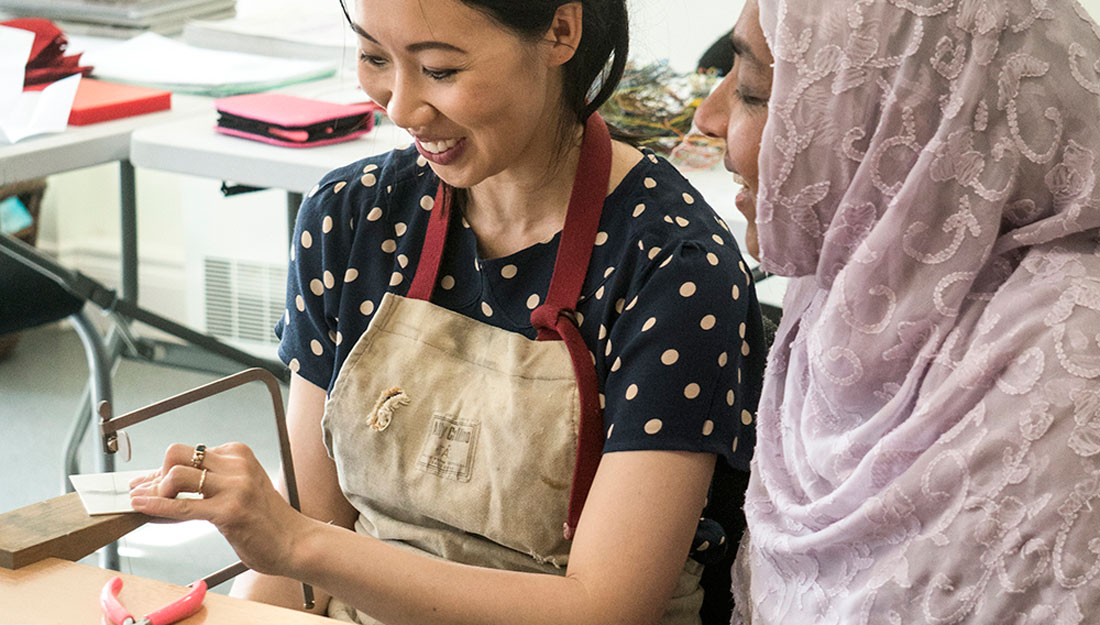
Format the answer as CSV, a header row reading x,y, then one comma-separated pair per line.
x,y
490,471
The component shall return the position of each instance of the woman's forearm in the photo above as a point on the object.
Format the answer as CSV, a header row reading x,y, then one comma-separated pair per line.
x,y
399,587
624,564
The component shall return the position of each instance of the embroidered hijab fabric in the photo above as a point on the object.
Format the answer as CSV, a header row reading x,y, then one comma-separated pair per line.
x,y
929,437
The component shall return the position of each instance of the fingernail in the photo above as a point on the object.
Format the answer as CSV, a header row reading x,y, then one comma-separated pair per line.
x,y
139,490
138,502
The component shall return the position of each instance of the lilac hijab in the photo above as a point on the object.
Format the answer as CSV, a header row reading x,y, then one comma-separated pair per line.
x,y
928,443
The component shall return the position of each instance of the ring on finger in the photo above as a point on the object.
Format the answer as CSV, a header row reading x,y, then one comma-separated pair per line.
x,y
202,482
198,456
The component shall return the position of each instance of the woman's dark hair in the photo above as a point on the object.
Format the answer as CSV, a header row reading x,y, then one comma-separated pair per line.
x,y
600,57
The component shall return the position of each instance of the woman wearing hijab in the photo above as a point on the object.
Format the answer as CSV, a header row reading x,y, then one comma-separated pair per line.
x,y
929,433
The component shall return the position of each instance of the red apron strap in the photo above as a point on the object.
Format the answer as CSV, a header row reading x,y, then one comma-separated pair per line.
x,y
554,319
431,255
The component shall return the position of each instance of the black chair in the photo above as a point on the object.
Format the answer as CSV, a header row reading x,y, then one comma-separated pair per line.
x,y
29,298
31,295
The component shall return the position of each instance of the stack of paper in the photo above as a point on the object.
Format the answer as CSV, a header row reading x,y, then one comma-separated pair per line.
x,y
288,28
120,18
155,61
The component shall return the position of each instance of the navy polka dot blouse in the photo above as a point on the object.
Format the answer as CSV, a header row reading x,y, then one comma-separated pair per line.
x,y
667,310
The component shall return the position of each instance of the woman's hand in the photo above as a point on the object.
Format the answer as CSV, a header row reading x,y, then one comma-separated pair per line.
x,y
238,498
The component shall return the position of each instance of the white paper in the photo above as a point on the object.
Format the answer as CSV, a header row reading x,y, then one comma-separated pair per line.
x,y
106,493
109,493
27,113
15,49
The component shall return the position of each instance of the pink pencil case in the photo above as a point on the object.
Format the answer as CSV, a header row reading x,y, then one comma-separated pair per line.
x,y
291,121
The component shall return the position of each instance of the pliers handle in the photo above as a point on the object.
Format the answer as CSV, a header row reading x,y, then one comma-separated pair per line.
x,y
178,610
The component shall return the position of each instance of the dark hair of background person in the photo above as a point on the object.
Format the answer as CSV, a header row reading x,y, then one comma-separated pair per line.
x,y
718,57
604,43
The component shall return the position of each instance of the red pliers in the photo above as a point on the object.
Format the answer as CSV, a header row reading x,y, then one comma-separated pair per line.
x,y
178,610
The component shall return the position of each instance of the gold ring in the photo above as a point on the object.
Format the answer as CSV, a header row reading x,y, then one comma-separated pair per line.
x,y
198,456
202,481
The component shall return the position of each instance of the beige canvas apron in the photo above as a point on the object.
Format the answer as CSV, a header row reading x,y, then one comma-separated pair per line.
x,y
459,440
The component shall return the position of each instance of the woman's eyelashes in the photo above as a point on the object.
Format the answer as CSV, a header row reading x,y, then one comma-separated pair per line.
x,y
372,59
439,74
379,62
750,100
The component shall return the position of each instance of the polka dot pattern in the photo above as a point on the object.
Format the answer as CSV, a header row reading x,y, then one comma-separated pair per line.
x,y
656,319
666,343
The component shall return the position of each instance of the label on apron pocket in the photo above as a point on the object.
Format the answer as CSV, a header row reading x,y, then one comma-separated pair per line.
x,y
449,448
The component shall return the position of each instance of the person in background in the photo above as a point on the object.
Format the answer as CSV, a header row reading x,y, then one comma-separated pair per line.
x,y
718,58
929,431
440,447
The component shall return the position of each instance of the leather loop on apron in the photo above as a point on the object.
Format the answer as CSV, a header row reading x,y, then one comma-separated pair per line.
x,y
555,319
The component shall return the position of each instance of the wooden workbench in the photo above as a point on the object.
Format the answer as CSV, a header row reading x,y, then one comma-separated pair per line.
x,y
59,592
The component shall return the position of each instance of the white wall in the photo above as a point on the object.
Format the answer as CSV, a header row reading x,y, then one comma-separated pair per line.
x,y
680,30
